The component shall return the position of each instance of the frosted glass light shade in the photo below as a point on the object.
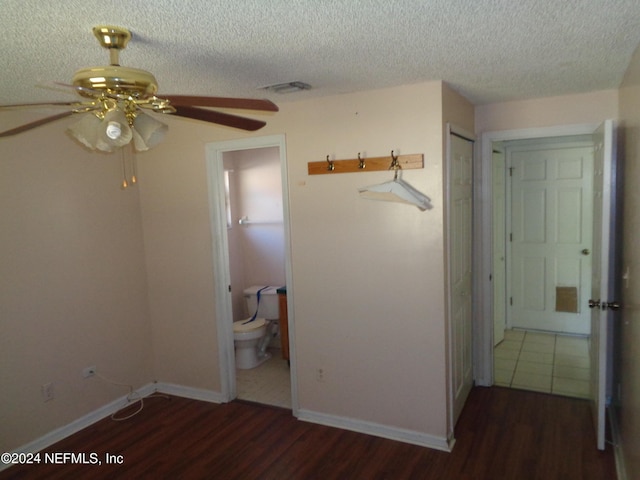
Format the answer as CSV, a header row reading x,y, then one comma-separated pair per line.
x,y
147,132
86,131
115,131
111,132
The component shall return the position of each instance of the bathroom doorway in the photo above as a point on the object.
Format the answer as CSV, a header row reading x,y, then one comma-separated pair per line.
x,y
249,205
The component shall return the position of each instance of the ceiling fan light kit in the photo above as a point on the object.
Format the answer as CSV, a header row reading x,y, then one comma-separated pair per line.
x,y
115,97
106,131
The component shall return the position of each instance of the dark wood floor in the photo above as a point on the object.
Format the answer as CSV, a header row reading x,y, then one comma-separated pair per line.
x,y
502,434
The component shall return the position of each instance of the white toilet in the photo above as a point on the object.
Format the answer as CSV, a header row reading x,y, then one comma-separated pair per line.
x,y
251,337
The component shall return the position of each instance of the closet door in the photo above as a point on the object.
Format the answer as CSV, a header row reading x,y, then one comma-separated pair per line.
x,y
460,208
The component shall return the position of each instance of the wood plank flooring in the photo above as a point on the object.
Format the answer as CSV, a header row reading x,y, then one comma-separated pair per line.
x,y
502,434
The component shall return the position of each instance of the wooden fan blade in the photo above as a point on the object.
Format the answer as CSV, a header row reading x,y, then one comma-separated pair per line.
x,y
219,118
37,123
44,104
222,102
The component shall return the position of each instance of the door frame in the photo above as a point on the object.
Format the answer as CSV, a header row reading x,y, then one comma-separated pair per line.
x,y
221,267
483,234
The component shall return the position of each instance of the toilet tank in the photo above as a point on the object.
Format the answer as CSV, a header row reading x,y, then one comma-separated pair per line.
x,y
268,307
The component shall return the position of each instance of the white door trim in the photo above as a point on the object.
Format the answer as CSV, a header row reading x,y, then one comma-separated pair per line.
x,y
483,232
221,269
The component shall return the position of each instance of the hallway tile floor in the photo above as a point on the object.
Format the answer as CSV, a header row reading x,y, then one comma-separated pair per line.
x,y
543,362
269,383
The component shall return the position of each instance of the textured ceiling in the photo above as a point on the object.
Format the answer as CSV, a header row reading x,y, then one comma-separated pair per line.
x,y
489,50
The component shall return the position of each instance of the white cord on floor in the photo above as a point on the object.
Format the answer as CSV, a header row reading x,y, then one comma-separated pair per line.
x,y
132,397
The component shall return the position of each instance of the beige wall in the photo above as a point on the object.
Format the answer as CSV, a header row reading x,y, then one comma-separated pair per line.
x,y
177,242
73,290
457,110
234,239
593,107
629,409
368,276
259,182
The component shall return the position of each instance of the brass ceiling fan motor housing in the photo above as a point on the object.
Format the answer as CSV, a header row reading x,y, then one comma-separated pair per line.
x,y
114,79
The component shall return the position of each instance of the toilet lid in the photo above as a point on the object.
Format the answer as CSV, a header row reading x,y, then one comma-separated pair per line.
x,y
242,326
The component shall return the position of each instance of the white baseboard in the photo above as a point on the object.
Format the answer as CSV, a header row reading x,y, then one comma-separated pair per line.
x,y
378,430
621,470
189,392
92,417
58,434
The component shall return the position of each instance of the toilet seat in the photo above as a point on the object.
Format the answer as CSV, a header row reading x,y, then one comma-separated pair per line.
x,y
243,326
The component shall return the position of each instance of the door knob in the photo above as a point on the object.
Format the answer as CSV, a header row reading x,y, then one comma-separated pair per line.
x,y
594,303
585,251
611,305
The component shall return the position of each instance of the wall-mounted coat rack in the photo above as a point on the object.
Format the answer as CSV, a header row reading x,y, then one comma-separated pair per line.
x,y
374,164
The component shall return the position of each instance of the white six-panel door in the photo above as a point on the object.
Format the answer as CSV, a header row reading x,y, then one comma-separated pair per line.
x,y
550,236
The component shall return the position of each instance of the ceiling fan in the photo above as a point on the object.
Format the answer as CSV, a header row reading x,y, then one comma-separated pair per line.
x,y
116,97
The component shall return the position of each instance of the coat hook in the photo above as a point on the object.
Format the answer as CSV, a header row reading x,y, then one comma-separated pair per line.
x,y
331,167
361,165
395,165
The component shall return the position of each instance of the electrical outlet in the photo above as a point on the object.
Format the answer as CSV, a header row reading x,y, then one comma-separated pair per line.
x,y
89,371
47,392
320,375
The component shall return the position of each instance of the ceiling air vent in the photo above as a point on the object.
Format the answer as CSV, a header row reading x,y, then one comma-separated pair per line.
x,y
288,87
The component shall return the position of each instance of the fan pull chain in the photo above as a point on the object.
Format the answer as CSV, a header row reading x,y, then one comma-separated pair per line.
x,y
125,184
133,167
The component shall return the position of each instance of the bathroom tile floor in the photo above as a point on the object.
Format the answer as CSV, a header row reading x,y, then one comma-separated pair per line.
x,y
543,362
269,383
